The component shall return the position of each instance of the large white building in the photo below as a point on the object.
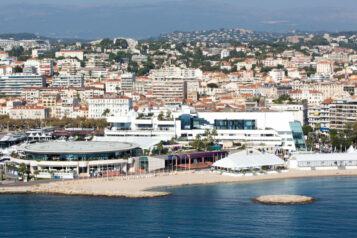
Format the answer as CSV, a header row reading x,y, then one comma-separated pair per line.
x,y
175,73
277,75
113,86
46,67
325,67
100,107
70,54
29,112
127,81
324,161
265,129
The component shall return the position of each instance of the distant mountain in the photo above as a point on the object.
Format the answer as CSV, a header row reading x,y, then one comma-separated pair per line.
x,y
237,34
31,36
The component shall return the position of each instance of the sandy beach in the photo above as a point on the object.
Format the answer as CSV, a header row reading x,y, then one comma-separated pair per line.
x,y
145,186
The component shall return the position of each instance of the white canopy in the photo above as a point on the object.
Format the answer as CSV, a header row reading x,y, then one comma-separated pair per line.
x,y
351,150
248,161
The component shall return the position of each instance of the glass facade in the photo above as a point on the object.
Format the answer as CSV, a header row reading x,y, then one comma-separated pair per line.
x,y
298,136
123,126
235,124
80,157
144,163
188,122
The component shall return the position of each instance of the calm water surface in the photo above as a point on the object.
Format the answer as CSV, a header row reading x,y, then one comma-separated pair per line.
x,y
223,210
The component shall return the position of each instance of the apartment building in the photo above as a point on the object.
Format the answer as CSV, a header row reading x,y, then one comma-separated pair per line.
x,y
29,112
277,75
127,81
113,86
11,85
46,67
328,89
175,73
342,111
333,114
70,54
68,81
325,67
142,85
313,97
169,89
100,107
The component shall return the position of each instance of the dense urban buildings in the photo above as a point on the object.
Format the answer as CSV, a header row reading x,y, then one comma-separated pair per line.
x,y
264,94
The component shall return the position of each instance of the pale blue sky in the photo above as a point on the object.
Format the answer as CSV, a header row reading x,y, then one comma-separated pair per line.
x,y
143,18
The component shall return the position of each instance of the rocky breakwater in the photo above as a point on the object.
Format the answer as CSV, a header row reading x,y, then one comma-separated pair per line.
x,y
283,199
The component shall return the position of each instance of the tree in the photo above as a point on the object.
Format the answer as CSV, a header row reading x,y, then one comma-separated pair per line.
x,y
317,126
160,147
16,51
122,43
214,133
18,69
168,114
106,43
207,133
160,117
212,85
198,143
23,170
307,129
106,111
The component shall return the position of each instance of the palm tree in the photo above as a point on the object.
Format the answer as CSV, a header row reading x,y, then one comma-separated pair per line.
x,y
168,114
214,133
23,170
207,132
160,117
160,147
106,111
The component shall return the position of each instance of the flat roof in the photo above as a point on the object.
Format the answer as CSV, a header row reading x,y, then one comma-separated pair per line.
x,y
78,147
325,157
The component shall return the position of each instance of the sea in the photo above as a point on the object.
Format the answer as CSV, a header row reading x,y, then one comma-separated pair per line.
x,y
220,210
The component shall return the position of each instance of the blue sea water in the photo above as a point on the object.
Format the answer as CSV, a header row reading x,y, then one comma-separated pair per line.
x,y
223,210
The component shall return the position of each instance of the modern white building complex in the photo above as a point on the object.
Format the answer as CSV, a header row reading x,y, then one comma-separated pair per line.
x,y
265,129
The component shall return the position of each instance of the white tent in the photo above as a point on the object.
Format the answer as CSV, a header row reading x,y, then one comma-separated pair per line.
x,y
351,150
249,161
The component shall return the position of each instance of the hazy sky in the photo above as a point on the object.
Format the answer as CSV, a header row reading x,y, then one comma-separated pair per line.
x,y
144,18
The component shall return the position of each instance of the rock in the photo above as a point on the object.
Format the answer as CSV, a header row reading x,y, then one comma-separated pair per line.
x,y
283,199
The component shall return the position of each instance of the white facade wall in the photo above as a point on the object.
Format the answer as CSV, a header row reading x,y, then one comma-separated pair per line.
x,y
116,106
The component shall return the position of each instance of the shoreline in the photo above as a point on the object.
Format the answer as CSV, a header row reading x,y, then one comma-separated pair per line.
x,y
148,186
